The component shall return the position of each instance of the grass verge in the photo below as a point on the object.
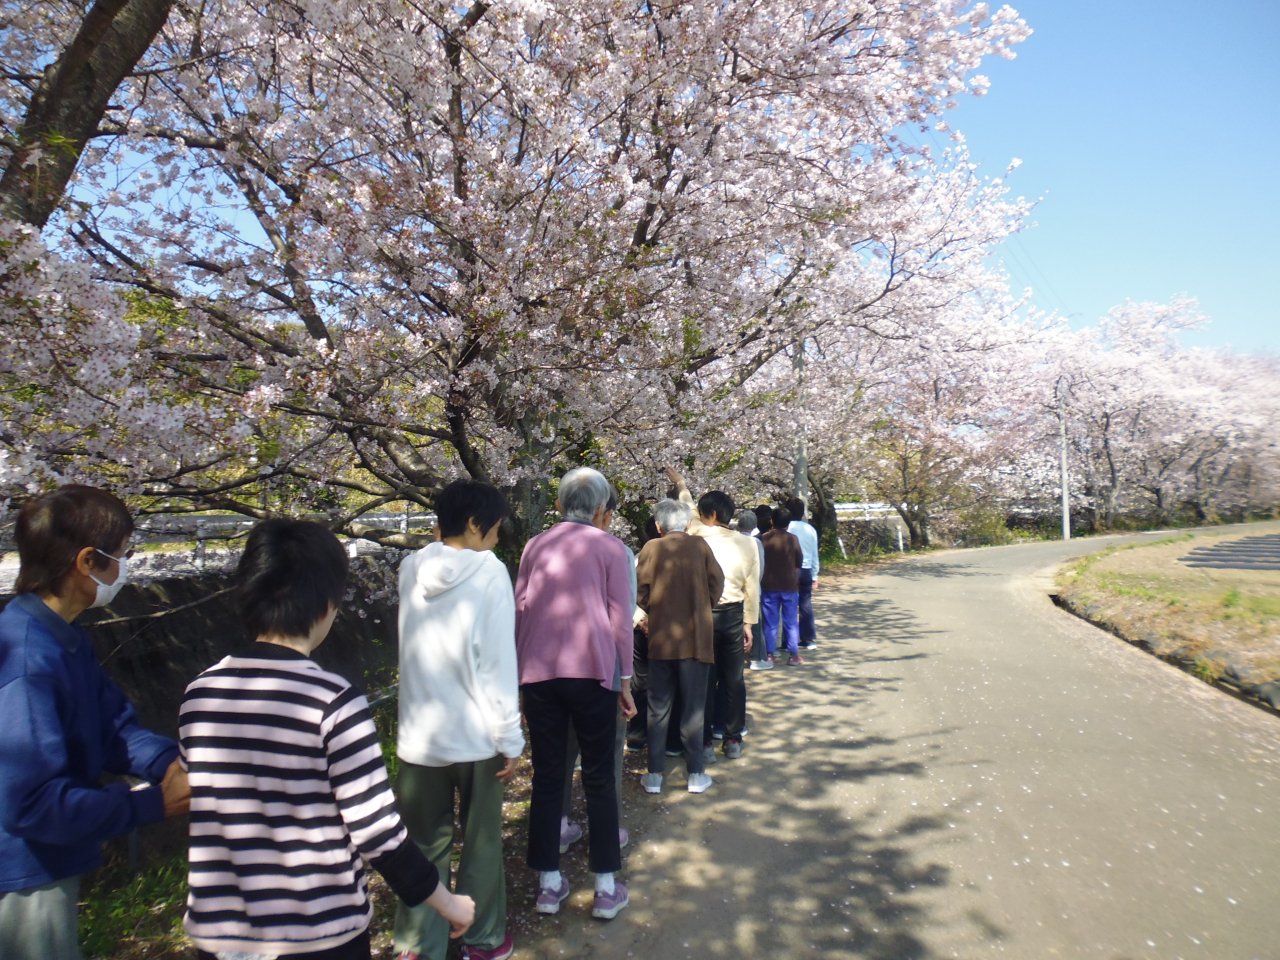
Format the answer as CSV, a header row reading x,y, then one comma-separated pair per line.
x,y
1219,625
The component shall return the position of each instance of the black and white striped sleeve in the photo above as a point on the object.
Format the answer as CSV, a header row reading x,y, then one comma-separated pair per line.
x,y
358,778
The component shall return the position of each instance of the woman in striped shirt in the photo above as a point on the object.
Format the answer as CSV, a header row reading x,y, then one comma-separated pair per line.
x,y
289,795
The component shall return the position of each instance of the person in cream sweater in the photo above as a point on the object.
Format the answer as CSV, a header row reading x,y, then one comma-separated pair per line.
x,y
459,729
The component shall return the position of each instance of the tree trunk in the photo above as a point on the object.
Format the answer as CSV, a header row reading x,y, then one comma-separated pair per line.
x,y
1108,508
1091,506
916,517
528,499
70,101
822,508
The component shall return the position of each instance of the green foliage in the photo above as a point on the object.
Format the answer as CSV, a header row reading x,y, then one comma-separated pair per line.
x,y
386,717
1117,586
984,527
1205,669
1263,606
148,906
1232,599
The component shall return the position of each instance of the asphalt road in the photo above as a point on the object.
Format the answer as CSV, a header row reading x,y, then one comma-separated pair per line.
x,y
963,770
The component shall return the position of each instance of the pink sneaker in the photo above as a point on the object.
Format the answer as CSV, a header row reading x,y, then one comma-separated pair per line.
x,y
570,835
501,952
609,905
795,661
623,837
549,900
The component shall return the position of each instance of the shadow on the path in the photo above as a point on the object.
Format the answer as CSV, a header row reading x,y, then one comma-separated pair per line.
x,y
790,854
934,570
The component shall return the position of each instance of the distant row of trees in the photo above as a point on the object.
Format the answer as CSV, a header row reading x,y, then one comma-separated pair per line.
x,y
970,425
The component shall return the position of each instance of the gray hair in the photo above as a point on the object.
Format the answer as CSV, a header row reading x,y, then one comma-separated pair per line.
x,y
746,521
583,491
672,515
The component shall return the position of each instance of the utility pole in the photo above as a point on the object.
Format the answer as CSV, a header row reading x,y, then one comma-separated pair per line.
x,y
801,479
1062,437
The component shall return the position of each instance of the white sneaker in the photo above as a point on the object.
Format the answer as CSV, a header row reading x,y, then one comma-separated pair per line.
x,y
757,665
765,665
698,782
652,782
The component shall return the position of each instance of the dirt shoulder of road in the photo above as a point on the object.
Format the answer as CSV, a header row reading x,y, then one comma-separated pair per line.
x,y
1221,625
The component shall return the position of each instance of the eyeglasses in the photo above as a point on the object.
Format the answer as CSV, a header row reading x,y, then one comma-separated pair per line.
x,y
125,556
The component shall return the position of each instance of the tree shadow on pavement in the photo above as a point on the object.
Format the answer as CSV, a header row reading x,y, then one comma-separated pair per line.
x,y
793,852
934,570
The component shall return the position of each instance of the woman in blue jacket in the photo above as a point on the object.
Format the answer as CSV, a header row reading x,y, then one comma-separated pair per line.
x,y
63,724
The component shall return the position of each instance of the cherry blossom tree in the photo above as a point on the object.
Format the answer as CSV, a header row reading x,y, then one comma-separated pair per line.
x,y
1154,427
371,245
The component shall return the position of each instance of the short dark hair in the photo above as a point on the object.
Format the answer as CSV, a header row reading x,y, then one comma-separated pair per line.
x,y
717,503
52,529
465,500
764,517
781,517
651,530
795,507
291,572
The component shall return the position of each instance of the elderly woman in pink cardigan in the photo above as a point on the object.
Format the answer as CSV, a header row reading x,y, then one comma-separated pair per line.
x,y
574,647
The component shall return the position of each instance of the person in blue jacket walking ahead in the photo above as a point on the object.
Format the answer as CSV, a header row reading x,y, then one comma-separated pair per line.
x,y
63,724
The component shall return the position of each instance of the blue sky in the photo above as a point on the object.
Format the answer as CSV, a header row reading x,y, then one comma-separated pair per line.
x,y
1152,132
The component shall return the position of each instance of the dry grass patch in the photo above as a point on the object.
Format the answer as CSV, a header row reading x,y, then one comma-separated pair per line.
x,y
1217,623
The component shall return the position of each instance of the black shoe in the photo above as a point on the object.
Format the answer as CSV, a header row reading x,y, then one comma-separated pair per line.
x,y
637,746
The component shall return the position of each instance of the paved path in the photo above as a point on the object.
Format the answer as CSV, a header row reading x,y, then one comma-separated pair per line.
x,y
964,771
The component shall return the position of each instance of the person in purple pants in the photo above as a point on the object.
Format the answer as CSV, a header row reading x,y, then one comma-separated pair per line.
x,y
780,587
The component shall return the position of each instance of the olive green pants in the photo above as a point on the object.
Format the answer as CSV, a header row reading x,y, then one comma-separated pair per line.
x,y
39,923
426,806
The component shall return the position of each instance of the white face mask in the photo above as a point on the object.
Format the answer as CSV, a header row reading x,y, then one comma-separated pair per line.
x,y
107,591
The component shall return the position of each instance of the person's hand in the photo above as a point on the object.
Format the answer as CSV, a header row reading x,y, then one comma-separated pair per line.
x,y
644,625
175,790
508,768
746,638
677,481
457,908
625,702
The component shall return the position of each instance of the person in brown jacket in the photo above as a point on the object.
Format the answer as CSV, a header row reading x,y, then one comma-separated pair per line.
x,y
678,581
780,586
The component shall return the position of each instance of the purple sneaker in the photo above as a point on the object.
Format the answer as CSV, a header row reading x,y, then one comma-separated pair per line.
x,y
501,952
549,900
623,837
570,835
609,905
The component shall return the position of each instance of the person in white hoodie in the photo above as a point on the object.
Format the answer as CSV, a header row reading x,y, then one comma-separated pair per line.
x,y
459,715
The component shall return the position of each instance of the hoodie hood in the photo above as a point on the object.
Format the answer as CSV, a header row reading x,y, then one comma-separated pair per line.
x,y
442,567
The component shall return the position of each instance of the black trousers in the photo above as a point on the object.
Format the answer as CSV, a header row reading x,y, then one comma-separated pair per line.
x,y
808,629
356,948
638,726
550,707
690,677
727,673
